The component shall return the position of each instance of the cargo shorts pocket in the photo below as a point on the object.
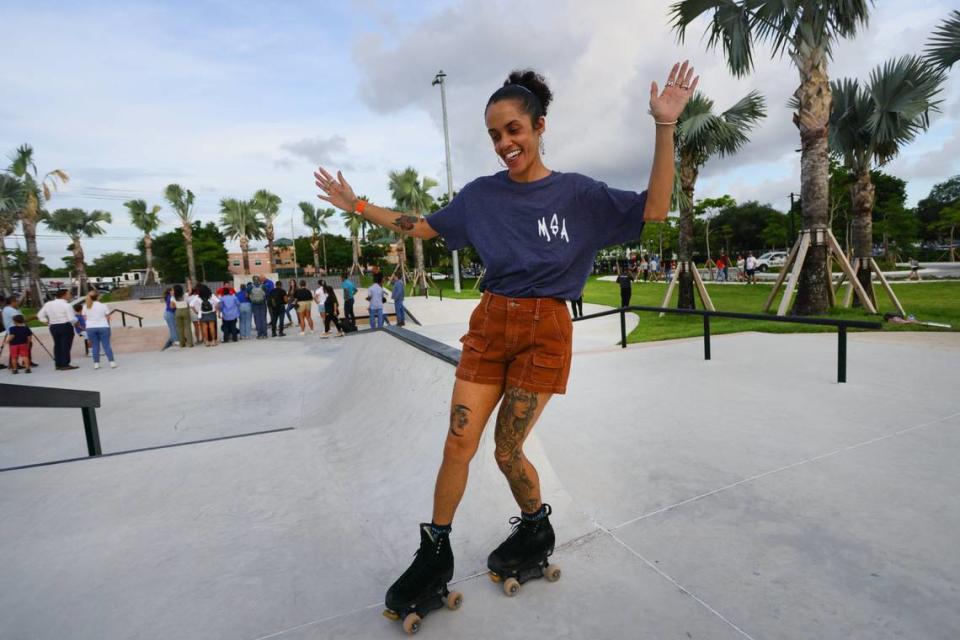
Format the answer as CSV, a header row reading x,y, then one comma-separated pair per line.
x,y
546,368
473,348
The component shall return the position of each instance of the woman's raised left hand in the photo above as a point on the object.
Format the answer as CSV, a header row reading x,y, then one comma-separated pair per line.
x,y
668,105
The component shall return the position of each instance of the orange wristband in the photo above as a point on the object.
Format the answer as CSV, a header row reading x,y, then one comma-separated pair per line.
x,y
361,205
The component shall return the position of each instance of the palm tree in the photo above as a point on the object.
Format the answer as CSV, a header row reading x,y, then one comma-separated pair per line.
x,y
239,219
354,223
268,206
147,222
701,134
944,47
869,126
37,192
806,31
77,223
11,203
182,203
316,220
411,194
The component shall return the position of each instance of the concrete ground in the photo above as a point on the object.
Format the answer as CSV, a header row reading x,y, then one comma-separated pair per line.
x,y
750,496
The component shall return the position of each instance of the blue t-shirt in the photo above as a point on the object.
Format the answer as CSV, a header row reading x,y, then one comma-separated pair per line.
x,y
538,239
229,307
349,290
397,291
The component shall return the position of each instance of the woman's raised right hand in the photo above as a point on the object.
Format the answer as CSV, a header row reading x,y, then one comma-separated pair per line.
x,y
338,191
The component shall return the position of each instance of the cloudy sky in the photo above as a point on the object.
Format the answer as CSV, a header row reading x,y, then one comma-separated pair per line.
x,y
229,97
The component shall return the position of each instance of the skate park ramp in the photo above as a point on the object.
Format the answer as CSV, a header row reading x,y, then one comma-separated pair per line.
x,y
745,497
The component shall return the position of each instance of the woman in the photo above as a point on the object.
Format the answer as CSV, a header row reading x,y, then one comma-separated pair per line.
x,y
304,302
246,310
291,304
182,316
229,309
205,307
97,317
192,300
331,312
169,316
537,232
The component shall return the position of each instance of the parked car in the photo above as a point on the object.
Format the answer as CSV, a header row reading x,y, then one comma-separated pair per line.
x,y
438,276
772,260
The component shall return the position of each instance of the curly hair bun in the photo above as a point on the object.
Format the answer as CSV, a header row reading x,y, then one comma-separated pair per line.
x,y
533,81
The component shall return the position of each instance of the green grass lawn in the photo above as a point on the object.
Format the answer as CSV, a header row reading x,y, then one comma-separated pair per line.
x,y
927,301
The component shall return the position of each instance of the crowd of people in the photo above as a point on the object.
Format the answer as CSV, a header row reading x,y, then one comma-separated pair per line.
x,y
263,308
88,319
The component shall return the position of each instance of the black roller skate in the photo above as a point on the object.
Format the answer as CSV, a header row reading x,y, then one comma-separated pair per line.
x,y
523,555
423,586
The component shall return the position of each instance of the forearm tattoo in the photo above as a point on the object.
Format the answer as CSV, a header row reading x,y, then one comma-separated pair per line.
x,y
458,419
513,422
405,222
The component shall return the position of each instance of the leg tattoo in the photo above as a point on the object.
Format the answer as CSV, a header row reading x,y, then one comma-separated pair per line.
x,y
458,419
513,423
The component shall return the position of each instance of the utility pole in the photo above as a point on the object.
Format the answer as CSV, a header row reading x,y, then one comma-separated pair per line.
x,y
439,79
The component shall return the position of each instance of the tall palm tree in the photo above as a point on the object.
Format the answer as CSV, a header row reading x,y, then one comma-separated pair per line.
x,y
37,192
77,223
869,125
354,222
412,194
944,47
316,220
147,222
701,134
11,203
805,30
239,220
182,202
268,206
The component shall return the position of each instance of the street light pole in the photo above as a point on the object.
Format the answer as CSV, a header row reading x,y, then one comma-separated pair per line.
x,y
439,79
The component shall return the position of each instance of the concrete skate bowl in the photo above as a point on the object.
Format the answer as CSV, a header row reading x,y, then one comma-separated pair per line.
x,y
380,426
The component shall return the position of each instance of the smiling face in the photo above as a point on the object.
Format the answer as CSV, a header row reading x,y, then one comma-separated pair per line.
x,y
516,140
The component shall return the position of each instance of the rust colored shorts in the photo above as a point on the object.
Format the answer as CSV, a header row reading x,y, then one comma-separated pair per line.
x,y
521,342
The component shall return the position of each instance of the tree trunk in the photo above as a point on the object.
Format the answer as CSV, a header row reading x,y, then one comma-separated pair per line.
x,y
269,234
688,179
245,250
188,240
862,194
148,250
814,97
356,252
33,260
315,247
953,257
6,284
79,267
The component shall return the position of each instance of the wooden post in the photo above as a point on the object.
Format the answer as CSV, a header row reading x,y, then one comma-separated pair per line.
x,y
851,274
795,273
783,272
887,288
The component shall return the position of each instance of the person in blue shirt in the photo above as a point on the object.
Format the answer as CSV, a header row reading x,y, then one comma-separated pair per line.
x,y
230,313
537,232
349,290
246,310
396,293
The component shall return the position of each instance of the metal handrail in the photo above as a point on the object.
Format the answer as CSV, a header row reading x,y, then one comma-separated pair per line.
x,y
841,325
124,314
16,395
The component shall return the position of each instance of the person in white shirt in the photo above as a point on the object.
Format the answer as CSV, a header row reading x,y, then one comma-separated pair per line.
x,y
97,316
751,268
192,299
320,297
205,306
59,315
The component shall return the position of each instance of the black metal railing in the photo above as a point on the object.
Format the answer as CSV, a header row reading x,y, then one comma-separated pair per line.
x,y
124,314
841,325
17,395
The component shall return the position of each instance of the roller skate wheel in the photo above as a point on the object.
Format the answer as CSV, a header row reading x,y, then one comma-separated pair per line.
x,y
553,573
511,587
411,624
494,577
454,600
389,614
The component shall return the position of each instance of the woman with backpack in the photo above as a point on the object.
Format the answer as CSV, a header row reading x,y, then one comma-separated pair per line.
x,y
205,306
